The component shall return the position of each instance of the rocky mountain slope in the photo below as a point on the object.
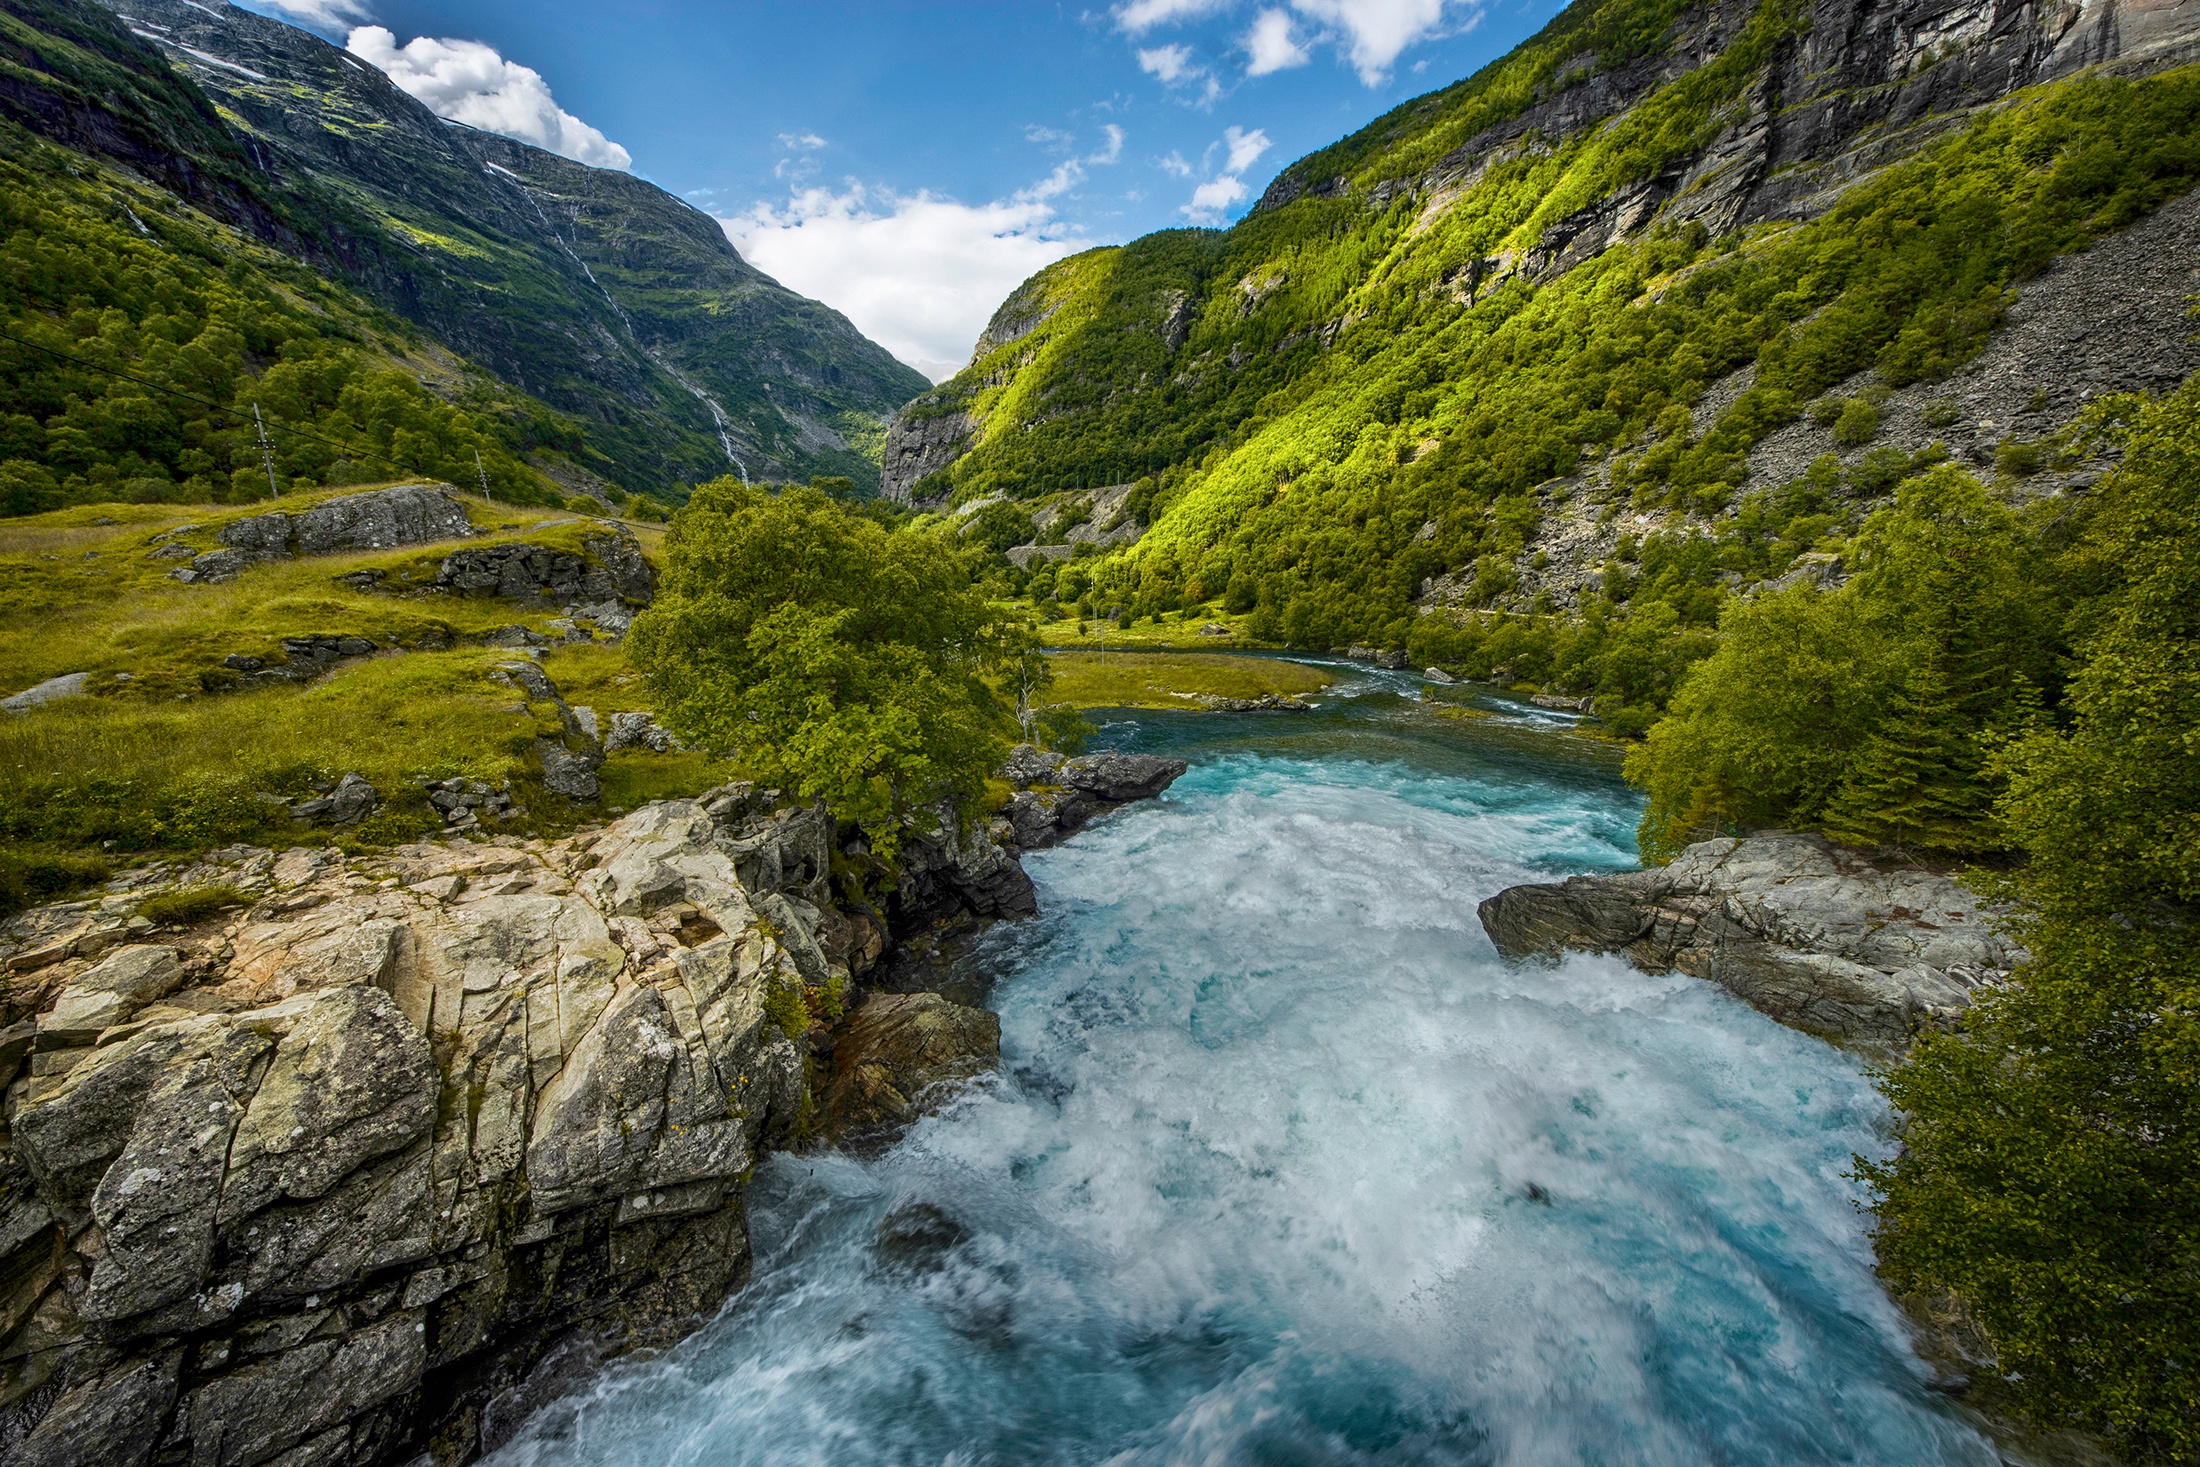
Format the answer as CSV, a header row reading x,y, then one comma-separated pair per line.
x,y
1606,291
590,290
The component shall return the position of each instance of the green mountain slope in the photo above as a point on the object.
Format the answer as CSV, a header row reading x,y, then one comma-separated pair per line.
x,y
592,291
1529,342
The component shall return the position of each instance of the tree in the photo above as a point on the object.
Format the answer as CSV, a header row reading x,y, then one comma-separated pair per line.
x,y
2049,1171
1916,784
829,654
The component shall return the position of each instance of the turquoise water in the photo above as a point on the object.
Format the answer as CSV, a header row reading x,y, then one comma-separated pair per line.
x,y
1286,1167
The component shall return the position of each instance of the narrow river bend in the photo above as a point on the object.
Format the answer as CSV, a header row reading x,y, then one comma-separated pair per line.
x,y
1286,1167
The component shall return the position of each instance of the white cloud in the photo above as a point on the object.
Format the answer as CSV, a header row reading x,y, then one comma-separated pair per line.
x,y
1171,64
1271,45
919,274
1376,30
1113,150
1214,196
1217,194
469,82
1245,147
1143,15
801,142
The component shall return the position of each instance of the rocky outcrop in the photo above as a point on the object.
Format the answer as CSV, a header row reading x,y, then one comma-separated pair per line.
x,y
612,571
1056,796
383,519
325,1178
901,1056
68,685
1814,934
918,446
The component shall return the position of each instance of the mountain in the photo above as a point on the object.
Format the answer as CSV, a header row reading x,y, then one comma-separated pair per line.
x,y
1650,310
594,292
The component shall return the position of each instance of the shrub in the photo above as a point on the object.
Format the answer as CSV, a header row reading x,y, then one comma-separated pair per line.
x,y
1857,425
29,877
190,906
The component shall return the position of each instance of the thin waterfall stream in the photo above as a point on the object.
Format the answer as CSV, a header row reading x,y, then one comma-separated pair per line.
x,y
1284,1165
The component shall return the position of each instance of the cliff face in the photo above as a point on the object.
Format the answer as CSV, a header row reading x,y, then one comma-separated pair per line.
x,y
589,289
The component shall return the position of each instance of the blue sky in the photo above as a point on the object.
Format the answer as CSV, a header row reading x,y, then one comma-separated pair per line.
x,y
910,164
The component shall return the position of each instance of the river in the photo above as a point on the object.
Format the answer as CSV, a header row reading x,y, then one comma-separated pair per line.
x,y
1286,1167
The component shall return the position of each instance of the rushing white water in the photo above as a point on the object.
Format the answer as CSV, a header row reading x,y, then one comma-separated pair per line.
x,y
1287,1167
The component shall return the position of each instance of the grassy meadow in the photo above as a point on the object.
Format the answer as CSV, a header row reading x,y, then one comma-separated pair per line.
x,y
168,753
1145,679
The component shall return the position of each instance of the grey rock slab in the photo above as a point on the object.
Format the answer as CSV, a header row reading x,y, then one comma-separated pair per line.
x,y
1811,933
352,1080
384,519
114,988
250,1415
1119,777
68,685
113,1419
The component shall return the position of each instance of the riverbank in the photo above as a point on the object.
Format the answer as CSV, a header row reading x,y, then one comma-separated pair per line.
x,y
1283,1162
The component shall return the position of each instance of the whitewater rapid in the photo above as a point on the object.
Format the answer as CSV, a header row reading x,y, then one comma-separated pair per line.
x,y
1285,1166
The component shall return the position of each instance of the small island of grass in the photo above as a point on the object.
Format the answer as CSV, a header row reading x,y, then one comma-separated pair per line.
x,y
1176,679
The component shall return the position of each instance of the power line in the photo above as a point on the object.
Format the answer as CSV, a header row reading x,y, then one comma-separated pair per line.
x,y
281,426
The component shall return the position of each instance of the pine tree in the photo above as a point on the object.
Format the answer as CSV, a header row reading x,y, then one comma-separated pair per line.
x,y
1916,784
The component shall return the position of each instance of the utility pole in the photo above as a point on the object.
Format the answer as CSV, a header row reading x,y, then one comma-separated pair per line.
x,y
267,454
484,473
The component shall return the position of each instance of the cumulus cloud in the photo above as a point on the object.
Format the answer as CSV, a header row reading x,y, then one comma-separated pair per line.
x,y
1214,196
1245,147
1171,64
469,82
1375,31
1271,46
917,273
1210,199
1143,15
1369,33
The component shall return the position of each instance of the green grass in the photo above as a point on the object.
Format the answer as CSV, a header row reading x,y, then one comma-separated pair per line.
x,y
191,905
76,596
1162,680
1180,632
176,756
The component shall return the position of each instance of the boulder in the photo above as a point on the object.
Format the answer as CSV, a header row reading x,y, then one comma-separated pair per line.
x,y
640,731
1120,777
1437,675
1816,935
381,519
410,514
1028,765
351,801
901,1057
68,685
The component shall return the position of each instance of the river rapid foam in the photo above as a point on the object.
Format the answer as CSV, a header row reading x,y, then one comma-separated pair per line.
x,y
1286,1167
